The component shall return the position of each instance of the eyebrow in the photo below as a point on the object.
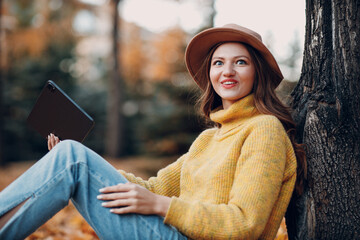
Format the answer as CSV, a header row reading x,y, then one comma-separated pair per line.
x,y
240,56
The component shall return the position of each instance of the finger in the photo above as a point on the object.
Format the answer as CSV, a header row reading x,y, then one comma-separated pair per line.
x,y
54,140
51,139
49,142
119,203
123,210
115,196
121,187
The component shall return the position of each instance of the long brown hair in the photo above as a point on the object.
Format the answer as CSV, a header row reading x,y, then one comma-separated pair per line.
x,y
265,99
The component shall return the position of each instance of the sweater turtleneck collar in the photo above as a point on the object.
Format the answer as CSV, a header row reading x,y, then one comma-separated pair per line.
x,y
235,115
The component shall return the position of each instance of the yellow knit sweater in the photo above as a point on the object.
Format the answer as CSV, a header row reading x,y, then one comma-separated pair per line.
x,y
235,182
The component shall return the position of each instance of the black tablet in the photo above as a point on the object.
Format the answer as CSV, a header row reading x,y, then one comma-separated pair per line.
x,y
55,112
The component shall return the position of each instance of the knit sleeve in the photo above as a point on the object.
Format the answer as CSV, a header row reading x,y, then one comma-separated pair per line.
x,y
167,181
257,183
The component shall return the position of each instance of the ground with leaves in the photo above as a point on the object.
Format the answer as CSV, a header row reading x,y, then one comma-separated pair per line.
x,y
68,223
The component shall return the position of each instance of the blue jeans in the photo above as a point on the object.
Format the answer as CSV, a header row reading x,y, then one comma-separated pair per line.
x,y
72,171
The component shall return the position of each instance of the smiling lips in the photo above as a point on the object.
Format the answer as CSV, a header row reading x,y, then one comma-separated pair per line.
x,y
228,83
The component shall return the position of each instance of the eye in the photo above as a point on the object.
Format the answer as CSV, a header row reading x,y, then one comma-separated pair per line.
x,y
217,63
240,62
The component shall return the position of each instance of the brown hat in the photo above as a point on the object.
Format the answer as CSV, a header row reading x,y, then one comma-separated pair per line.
x,y
200,45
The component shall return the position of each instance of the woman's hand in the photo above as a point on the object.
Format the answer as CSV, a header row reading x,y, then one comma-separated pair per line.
x,y
52,141
133,198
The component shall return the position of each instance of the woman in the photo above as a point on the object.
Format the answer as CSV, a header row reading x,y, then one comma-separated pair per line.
x,y
235,182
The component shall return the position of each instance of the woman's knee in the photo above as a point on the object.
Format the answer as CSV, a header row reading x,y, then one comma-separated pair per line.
x,y
68,150
68,143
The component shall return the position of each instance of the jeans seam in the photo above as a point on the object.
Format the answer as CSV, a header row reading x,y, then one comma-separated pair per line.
x,y
56,177
98,178
50,182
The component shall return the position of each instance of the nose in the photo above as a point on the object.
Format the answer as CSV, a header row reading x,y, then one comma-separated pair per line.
x,y
228,70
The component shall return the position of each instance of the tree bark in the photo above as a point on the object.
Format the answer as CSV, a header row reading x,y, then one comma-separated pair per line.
x,y
115,120
326,109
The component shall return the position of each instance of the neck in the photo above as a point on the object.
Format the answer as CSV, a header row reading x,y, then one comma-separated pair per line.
x,y
235,113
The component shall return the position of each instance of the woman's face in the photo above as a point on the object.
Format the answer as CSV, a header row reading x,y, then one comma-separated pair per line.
x,y
232,72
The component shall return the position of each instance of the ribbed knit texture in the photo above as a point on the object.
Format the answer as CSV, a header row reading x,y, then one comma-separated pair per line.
x,y
235,182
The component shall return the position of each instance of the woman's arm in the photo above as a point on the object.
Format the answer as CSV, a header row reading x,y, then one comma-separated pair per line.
x,y
167,181
144,197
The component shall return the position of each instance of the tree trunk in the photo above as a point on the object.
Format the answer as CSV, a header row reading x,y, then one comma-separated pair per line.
x,y
115,121
2,79
326,108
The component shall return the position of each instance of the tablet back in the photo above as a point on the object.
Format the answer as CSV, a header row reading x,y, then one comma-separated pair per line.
x,y
55,112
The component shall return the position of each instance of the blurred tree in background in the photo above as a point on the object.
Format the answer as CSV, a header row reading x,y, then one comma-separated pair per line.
x,y
115,124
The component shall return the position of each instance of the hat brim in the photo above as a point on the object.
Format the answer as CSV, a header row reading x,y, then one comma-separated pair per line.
x,y
200,45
